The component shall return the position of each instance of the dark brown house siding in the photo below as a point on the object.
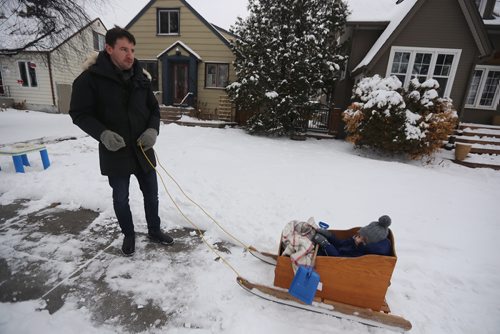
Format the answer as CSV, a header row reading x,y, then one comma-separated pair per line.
x,y
363,36
434,25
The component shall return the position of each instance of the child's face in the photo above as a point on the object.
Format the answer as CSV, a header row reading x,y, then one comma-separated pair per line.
x,y
360,240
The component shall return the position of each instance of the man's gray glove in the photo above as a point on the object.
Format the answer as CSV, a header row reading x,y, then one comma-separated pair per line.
x,y
320,240
147,139
112,140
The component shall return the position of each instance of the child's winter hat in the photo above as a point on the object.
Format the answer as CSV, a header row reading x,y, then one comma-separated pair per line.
x,y
376,231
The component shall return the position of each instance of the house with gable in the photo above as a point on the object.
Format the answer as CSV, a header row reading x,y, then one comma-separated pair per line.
x,y
452,41
41,78
190,59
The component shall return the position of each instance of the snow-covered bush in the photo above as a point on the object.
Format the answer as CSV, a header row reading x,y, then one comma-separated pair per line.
x,y
386,117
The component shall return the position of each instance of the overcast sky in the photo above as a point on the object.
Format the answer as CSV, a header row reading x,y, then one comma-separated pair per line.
x,y
222,13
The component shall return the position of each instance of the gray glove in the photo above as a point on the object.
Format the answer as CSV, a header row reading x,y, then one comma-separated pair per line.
x,y
112,140
320,240
147,139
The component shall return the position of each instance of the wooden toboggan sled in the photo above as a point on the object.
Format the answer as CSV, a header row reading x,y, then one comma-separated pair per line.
x,y
352,288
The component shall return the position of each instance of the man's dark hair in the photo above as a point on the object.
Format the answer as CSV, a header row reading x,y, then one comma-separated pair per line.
x,y
115,33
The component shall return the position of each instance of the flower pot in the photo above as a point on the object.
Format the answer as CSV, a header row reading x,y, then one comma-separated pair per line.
x,y
461,151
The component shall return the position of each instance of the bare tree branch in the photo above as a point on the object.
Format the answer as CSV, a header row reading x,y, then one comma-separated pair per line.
x,y
38,25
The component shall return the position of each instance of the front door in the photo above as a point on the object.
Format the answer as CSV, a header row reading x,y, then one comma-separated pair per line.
x,y
180,81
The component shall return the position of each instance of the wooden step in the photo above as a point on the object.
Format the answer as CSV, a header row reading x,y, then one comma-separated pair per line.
x,y
476,164
171,114
479,133
478,130
478,126
484,141
482,150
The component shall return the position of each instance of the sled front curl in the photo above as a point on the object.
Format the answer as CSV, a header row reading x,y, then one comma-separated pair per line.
x,y
358,281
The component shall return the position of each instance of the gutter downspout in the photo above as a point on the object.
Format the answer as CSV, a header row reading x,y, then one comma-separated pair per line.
x,y
49,64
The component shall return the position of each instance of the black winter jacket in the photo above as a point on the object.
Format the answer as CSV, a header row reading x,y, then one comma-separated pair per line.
x,y
103,100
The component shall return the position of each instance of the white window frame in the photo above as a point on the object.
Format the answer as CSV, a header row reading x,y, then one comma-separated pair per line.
x,y
486,69
217,63
435,52
482,7
168,10
30,83
101,40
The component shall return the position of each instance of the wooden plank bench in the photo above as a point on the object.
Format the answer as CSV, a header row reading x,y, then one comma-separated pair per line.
x,y
358,281
19,154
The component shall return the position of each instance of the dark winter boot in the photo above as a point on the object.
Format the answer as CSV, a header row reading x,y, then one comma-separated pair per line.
x,y
160,237
128,246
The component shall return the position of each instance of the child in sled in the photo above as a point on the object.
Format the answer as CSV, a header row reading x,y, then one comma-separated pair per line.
x,y
370,239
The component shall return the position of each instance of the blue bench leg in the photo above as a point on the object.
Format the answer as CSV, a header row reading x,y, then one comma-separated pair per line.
x,y
45,158
26,162
18,163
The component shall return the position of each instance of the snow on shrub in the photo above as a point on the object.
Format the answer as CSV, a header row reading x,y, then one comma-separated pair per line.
x,y
386,117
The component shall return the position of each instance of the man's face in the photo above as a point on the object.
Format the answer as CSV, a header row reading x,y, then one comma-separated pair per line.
x,y
122,54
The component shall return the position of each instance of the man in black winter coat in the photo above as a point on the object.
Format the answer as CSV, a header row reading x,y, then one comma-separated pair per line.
x,y
113,102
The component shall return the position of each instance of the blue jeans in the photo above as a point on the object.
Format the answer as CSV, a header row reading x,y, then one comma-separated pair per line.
x,y
149,187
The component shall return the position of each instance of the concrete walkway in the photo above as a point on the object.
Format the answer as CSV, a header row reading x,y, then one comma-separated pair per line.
x,y
35,246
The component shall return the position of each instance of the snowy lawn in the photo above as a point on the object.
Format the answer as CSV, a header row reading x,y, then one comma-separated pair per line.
x,y
446,222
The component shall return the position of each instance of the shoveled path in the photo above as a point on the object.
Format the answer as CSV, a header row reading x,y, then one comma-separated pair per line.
x,y
39,250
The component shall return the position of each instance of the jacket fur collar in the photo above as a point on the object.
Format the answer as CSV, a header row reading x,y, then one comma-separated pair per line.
x,y
92,59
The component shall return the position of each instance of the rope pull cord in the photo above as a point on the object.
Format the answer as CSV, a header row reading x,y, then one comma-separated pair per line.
x,y
198,230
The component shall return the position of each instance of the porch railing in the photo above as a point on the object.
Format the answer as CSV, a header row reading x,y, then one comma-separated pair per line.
x,y
317,119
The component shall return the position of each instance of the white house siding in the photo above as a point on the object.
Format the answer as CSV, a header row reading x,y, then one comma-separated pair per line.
x,y
65,64
39,98
196,35
67,59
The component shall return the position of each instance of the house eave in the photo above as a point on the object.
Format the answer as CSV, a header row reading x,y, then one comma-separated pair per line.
x,y
477,27
189,7
182,45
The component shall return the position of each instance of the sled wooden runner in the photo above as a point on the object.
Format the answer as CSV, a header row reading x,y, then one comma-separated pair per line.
x,y
268,258
328,307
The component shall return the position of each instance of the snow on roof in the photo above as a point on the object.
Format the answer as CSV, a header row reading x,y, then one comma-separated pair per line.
x,y
395,14
371,10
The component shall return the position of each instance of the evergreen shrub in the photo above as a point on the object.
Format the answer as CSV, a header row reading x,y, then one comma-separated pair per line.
x,y
386,117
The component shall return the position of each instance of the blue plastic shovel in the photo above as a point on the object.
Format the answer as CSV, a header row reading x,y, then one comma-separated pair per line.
x,y
305,282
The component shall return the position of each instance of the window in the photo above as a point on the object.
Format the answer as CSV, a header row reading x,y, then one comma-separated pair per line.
x,y
439,64
98,41
168,21
152,67
217,75
483,90
27,71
